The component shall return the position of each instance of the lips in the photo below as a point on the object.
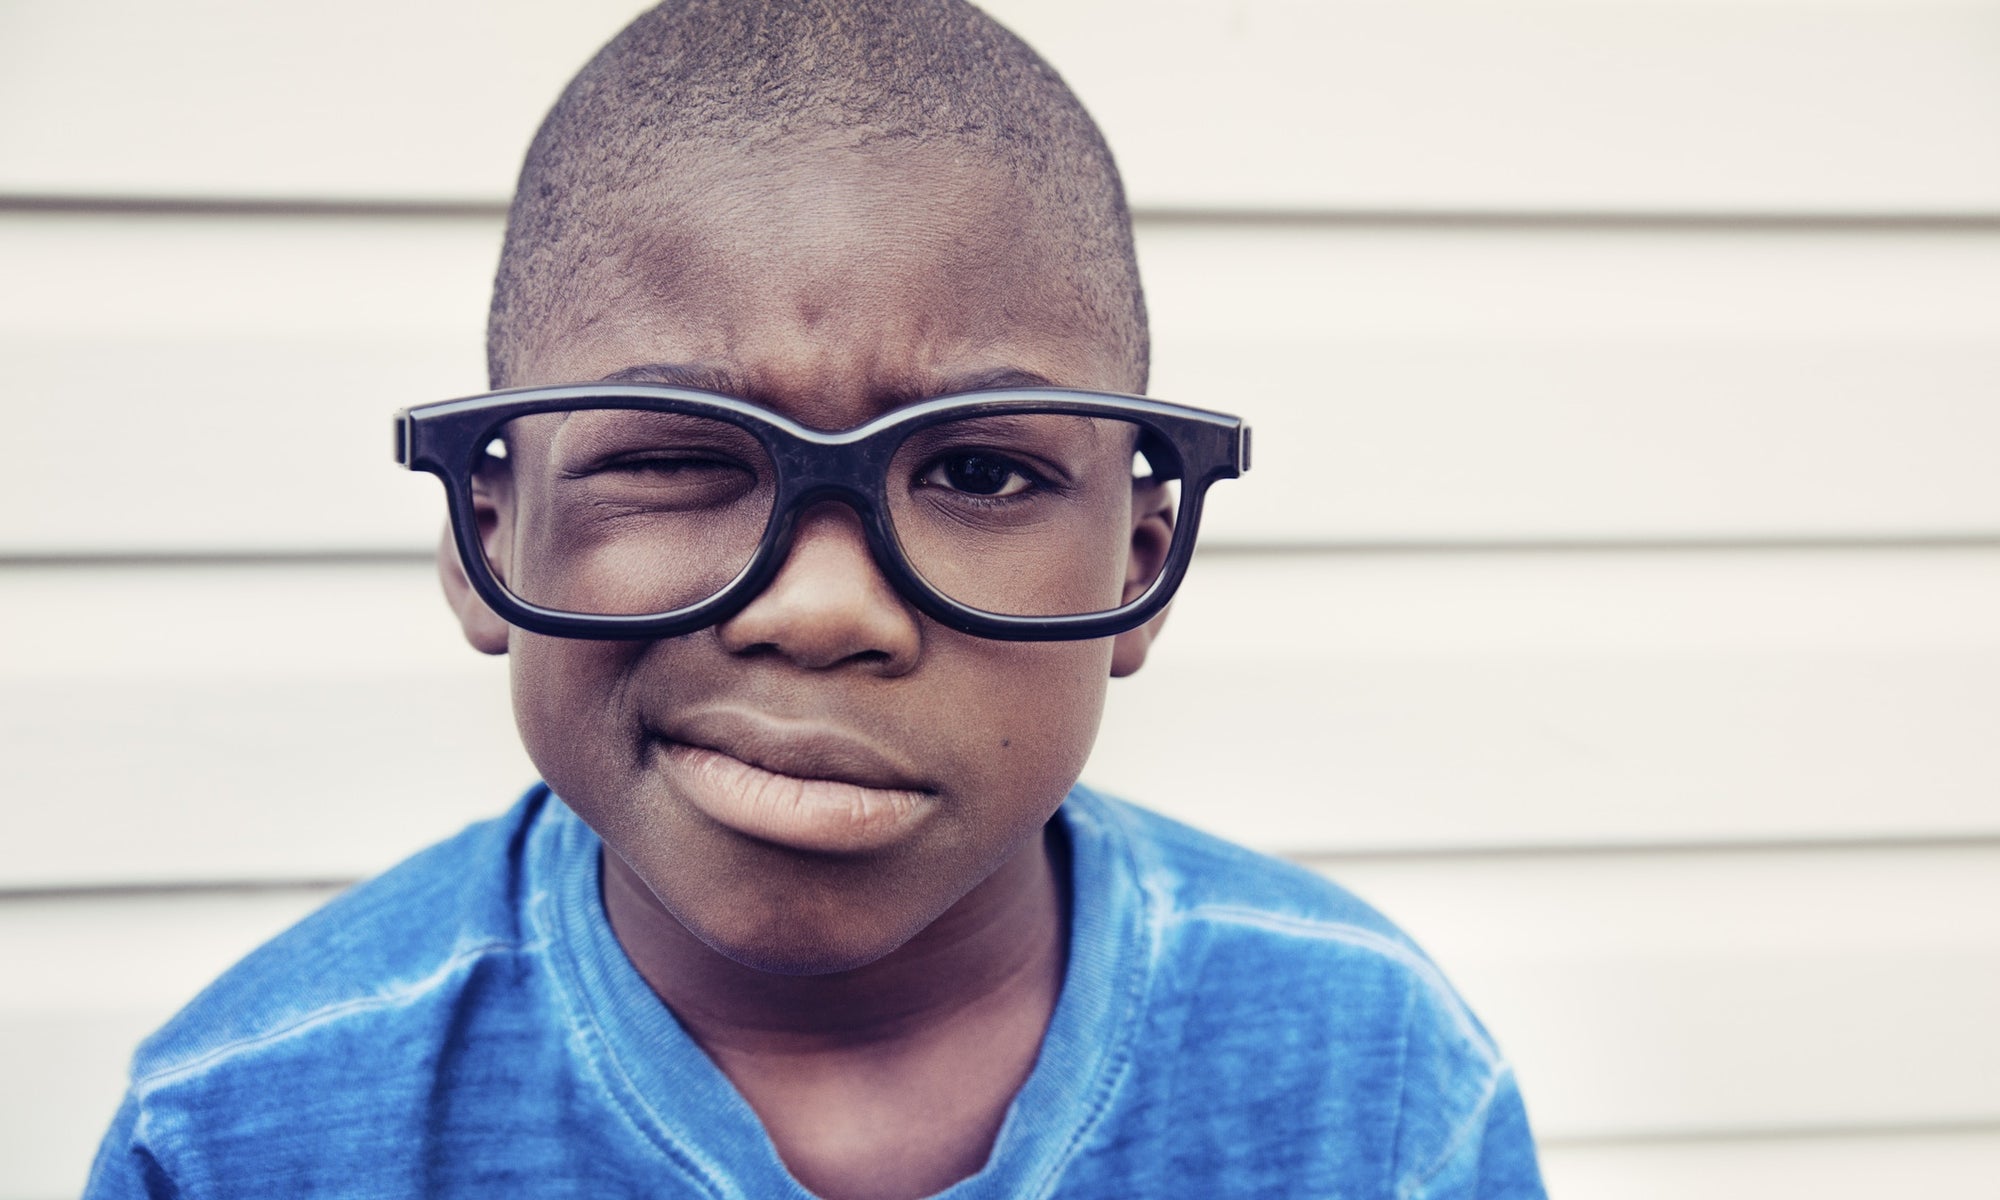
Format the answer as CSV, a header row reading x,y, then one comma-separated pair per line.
x,y
806,788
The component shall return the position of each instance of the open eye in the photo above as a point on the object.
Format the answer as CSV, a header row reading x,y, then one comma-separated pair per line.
x,y
978,473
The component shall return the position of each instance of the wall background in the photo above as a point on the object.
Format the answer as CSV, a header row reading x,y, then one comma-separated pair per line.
x,y
1616,600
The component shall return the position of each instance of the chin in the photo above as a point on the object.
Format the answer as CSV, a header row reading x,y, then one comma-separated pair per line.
x,y
794,955
801,960
804,938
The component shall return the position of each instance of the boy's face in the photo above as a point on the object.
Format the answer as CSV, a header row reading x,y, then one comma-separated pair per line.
x,y
810,783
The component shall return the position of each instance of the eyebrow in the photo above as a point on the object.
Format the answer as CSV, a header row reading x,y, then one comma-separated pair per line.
x,y
970,381
997,377
702,377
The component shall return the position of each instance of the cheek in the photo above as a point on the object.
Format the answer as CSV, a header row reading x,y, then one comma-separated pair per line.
x,y
570,710
1030,712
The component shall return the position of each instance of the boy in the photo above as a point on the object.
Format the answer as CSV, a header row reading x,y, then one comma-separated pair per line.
x,y
815,519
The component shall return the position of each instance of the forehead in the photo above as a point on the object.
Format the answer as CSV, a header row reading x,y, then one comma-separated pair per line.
x,y
829,285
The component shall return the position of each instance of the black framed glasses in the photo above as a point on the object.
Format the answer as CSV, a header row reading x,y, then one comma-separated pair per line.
x,y
646,511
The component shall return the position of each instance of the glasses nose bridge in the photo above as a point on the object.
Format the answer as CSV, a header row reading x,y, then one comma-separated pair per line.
x,y
805,499
812,492
814,470
847,470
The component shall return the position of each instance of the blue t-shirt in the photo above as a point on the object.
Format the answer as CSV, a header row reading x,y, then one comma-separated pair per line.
x,y
467,1024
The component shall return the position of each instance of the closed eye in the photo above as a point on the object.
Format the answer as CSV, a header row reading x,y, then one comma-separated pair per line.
x,y
663,465
676,481
666,464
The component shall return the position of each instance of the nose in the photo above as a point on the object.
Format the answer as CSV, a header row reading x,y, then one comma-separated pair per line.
x,y
829,605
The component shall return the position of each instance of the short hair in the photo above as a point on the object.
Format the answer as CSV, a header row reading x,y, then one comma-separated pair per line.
x,y
692,80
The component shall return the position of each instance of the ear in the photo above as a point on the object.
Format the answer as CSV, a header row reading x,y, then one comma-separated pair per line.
x,y
1152,536
483,627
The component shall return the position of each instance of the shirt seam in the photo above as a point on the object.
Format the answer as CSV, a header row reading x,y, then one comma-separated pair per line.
x,y
153,1081
1402,1079
624,1097
1137,995
1422,1180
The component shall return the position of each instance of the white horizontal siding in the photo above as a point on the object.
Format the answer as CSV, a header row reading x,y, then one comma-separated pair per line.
x,y
1653,994
1320,703
88,977
1842,1166
1646,105
260,723
205,384
1828,992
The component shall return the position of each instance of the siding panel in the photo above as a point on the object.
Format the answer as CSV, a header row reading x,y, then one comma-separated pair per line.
x,y
1757,105
1847,1166
319,721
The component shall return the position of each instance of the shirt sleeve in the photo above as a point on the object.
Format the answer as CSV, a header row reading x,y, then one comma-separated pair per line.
x,y
1507,1167
1491,1156
125,1169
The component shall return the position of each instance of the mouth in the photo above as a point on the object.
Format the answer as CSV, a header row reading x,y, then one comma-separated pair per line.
x,y
814,792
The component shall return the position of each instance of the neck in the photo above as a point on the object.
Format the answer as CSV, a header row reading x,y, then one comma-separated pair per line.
x,y
1004,942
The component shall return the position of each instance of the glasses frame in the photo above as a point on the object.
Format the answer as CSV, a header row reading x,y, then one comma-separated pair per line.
x,y
448,440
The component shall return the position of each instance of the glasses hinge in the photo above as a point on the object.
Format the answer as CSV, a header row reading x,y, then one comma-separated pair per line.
x,y
403,437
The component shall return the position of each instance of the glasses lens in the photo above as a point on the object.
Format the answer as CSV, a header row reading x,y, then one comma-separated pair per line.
x,y
621,512
1032,514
